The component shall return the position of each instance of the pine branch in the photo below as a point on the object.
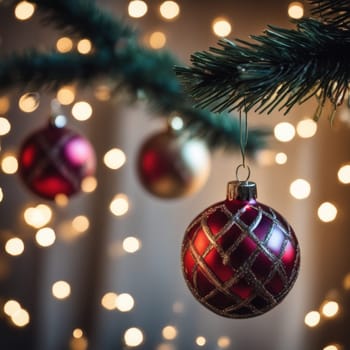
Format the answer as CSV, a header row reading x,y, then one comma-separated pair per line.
x,y
282,68
86,19
134,68
332,11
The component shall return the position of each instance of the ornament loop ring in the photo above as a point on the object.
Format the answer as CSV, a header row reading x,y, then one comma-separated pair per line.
x,y
245,167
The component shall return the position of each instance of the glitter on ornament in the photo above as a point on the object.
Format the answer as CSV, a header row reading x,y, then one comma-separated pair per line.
x,y
240,258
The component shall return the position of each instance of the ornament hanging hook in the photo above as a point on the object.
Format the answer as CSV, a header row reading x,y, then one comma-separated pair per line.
x,y
243,129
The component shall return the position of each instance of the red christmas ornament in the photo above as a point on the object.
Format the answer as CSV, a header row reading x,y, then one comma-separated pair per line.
x,y
170,165
54,160
240,258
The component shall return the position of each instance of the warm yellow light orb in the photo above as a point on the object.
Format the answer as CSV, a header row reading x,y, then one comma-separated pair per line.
x,y
84,46
14,246
284,132
296,10
109,300
169,10
300,189
61,289
4,104
201,341
131,244
306,128
45,237
344,174
157,40
9,164
82,110
224,342
124,302
24,10
114,159
327,212
64,44
29,102
312,319
38,216
169,332
221,27
330,309
133,337
81,223
281,158
5,126
11,307
77,333
20,318
137,8
66,95
119,205
89,184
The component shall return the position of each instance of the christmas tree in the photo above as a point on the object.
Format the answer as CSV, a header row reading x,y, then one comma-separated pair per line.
x,y
91,260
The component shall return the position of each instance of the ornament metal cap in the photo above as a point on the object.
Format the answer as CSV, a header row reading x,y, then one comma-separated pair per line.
x,y
241,190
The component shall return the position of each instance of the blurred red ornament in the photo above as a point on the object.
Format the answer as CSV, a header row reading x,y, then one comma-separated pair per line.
x,y
170,165
240,258
54,160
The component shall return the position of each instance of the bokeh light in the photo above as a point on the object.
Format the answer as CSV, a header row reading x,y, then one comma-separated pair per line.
x,y
300,189
295,10
344,174
14,246
29,102
9,164
109,301
306,128
114,159
312,319
81,223
38,216
45,237
221,27
327,212
201,341
77,333
84,46
11,307
133,337
224,342
81,110
61,290
332,347
131,244
4,104
169,332
284,132
5,126
281,158
1,195
64,44
119,205
20,318
157,40
169,10
330,308
24,10
124,302
89,184
66,95
137,8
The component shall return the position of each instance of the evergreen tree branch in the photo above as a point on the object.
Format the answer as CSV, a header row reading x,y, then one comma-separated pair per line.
x,y
282,68
86,19
332,11
134,68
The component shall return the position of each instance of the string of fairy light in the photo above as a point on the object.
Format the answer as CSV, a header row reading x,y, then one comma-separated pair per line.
x,y
40,217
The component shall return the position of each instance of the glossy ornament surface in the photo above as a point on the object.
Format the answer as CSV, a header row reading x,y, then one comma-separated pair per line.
x,y
54,160
240,258
171,166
